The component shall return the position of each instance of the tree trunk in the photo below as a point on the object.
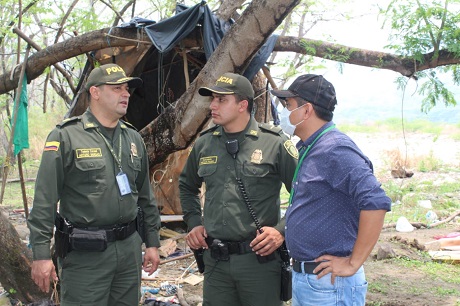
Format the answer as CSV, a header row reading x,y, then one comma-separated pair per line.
x,y
15,260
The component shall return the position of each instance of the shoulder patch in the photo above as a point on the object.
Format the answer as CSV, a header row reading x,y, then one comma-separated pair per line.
x,y
65,121
291,149
51,146
271,128
212,129
125,124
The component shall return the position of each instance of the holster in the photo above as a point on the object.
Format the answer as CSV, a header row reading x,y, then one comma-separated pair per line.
x,y
140,225
286,273
199,259
219,250
62,236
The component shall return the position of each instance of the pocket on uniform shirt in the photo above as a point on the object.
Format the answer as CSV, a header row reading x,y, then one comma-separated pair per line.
x,y
206,170
135,166
255,170
258,181
91,176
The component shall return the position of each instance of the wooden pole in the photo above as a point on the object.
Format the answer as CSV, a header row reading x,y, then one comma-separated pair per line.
x,y
23,186
272,82
176,258
9,156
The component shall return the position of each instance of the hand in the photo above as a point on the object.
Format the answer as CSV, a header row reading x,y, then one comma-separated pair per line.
x,y
151,260
196,238
267,242
337,266
43,272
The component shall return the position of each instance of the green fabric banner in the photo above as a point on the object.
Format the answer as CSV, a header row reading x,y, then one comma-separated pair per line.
x,y
21,130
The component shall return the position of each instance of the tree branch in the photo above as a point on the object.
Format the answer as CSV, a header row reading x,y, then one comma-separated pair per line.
x,y
121,37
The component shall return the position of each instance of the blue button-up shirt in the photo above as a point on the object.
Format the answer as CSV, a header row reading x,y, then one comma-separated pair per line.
x,y
334,183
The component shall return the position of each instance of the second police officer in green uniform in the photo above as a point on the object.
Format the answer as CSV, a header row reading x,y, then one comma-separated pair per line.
x,y
243,164
96,166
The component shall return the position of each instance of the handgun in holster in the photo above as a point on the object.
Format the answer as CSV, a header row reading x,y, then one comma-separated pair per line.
x,y
199,259
62,236
140,225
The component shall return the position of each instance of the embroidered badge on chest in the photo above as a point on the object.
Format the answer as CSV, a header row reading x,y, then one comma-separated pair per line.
x,y
256,157
133,149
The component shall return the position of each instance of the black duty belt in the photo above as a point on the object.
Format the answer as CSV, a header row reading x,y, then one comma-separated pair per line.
x,y
308,266
234,247
118,231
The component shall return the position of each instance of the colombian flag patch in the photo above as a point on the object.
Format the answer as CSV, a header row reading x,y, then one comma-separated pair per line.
x,y
52,146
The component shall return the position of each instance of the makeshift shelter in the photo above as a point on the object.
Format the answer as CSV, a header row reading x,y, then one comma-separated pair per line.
x,y
166,67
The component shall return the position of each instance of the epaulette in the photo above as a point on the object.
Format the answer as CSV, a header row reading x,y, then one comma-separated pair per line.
x,y
65,121
271,128
128,124
209,130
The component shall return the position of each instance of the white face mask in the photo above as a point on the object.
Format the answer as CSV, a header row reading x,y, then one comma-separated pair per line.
x,y
285,122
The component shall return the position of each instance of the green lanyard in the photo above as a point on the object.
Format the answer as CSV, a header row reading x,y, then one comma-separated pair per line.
x,y
303,157
109,146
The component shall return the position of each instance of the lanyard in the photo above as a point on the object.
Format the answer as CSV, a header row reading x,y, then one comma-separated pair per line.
x,y
109,146
299,164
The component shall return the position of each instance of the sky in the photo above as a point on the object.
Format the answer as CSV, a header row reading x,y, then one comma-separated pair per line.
x,y
367,94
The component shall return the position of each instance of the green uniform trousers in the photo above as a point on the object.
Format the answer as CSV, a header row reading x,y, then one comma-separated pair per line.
x,y
241,281
109,278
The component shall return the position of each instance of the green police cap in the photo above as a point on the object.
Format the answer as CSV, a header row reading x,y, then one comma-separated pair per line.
x,y
111,74
229,84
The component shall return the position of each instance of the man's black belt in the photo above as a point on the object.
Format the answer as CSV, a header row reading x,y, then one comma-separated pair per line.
x,y
234,247
308,266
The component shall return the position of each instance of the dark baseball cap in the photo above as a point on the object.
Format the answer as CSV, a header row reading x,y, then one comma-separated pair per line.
x,y
229,84
111,74
312,88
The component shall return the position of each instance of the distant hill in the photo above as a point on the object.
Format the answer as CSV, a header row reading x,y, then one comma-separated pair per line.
x,y
357,113
365,94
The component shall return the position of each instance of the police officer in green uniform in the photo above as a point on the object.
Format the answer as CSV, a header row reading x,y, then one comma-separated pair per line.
x,y
243,165
96,167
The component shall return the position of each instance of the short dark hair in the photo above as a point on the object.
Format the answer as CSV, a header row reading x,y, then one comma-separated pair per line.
x,y
321,112
250,101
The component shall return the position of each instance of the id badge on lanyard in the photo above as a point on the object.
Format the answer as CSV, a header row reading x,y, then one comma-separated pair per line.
x,y
123,183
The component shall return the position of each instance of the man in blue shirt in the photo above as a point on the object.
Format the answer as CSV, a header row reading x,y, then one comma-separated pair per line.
x,y
337,207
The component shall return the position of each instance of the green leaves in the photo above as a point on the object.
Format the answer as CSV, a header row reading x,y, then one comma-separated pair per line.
x,y
422,27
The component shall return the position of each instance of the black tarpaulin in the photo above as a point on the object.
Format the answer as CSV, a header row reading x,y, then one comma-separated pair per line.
x,y
168,33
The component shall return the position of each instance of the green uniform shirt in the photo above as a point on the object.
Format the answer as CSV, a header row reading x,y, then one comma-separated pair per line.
x,y
265,160
79,171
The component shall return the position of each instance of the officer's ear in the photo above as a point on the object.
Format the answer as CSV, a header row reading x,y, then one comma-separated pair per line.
x,y
94,92
243,105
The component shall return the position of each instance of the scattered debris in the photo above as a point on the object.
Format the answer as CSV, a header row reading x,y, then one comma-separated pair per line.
x,y
414,243
400,172
385,251
425,204
403,225
168,247
446,249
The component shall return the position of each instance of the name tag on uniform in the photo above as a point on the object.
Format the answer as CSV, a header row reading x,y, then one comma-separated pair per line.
x,y
123,183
